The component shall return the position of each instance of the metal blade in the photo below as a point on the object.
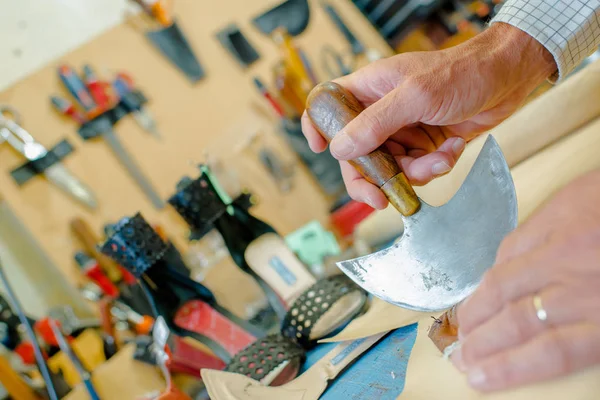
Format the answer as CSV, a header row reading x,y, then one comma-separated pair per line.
x,y
444,251
133,169
61,177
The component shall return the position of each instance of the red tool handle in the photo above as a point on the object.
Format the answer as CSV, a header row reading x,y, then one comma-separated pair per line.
x,y
97,88
67,108
96,275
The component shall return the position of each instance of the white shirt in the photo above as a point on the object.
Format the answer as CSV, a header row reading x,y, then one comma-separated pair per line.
x,y
569,29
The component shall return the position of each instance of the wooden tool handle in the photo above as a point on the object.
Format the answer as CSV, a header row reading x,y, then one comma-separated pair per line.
x,y
330,107
89,240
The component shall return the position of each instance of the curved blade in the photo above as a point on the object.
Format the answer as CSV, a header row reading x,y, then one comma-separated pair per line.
x,y
444,251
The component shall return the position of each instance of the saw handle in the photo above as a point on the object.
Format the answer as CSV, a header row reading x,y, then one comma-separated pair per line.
x,y
330,108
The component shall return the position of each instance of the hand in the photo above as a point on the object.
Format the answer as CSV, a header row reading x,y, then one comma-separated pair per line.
x,y
556,256
424,106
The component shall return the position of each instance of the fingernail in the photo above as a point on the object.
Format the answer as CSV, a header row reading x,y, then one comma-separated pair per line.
x,y
440,168
342,145
458,146
477,378
369,202
457,360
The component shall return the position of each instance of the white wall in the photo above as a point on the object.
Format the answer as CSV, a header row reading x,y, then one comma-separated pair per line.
x,y
34,32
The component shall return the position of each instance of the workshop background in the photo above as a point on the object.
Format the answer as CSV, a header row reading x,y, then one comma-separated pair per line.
x,y
108,104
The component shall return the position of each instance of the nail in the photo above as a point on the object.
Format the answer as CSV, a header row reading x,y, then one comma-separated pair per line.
x,y
440,168
477,378
459,146
342,145
369,202
457,360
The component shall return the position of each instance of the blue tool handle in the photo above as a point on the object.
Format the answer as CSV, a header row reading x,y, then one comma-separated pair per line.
x,y
121,86
76,87
91,390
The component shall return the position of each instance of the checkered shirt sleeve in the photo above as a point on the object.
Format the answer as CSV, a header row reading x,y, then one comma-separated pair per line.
x,y
569,29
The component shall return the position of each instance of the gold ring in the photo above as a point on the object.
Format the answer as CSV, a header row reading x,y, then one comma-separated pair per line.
x,y
539,308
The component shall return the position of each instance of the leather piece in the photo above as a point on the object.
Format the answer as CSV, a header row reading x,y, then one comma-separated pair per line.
x,y
429,376
201,318
444,330
313,304
265,355
198,204
135,245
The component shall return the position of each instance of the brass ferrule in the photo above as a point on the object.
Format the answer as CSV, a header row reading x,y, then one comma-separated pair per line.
x,y
401,195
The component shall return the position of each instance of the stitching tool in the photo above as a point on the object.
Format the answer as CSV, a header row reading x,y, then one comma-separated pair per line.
x,y
22,141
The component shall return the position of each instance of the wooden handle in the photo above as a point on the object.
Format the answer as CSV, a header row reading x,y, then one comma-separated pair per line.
x,y
330,107
89,240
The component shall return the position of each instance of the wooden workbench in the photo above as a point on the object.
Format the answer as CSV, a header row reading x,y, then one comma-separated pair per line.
x,y
211,115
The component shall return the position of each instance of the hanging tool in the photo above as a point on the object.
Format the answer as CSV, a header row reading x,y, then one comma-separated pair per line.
x,y
22,141
97,88
156,9
86,378
293,15
431,268
308,67
292,59
269,97
342,67
67,108
123,85
79,91
170,40
356,46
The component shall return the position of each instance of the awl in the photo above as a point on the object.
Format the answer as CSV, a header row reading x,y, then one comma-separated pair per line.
x,y
444,251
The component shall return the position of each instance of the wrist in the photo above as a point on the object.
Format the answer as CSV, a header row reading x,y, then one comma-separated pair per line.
x,y
513,55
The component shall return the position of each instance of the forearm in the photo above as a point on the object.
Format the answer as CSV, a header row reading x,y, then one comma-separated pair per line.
x,y
568,29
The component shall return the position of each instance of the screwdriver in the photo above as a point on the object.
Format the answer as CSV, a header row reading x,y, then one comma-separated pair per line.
x,y
77,88
123,85
67,108
96,88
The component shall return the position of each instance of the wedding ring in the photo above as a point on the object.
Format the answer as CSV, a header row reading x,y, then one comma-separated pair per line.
x,y
539,308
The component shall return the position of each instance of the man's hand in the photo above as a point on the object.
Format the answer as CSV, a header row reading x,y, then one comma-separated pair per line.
x,y
424,106
556,256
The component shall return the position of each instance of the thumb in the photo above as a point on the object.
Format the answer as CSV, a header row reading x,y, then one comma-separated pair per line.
x,y
373,126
